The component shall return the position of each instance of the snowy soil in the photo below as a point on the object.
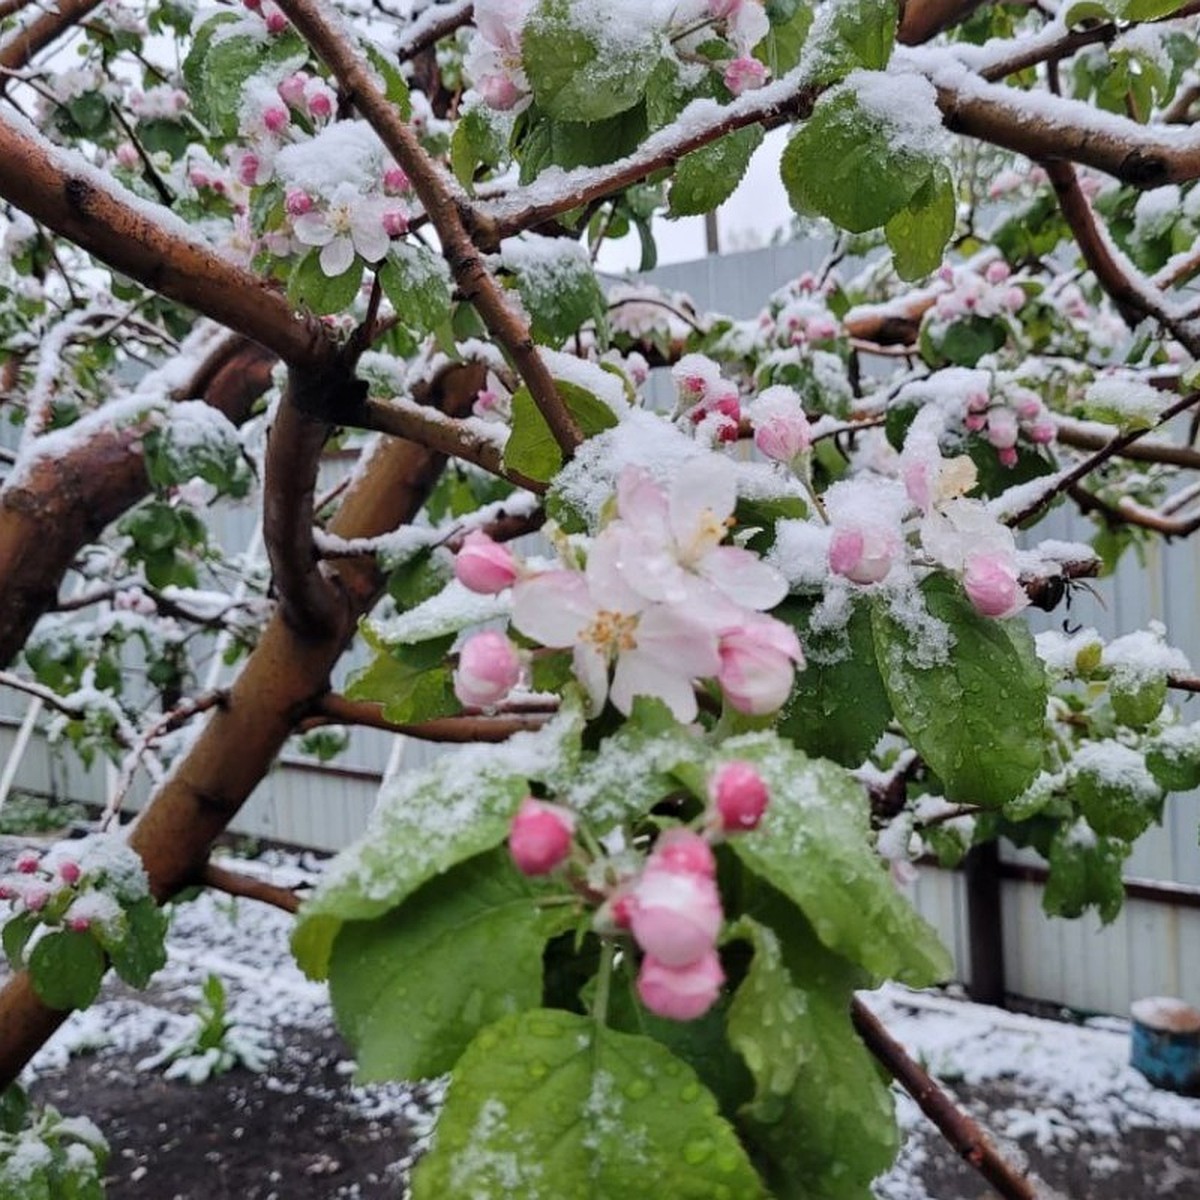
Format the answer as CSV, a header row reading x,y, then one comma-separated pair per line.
x,y
1060,1098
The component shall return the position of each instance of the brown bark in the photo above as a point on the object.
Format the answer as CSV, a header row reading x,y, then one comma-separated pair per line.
x,y
59,504
95,214
20,47
922,19
280,681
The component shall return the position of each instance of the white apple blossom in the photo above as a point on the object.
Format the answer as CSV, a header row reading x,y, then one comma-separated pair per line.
x,y
351,224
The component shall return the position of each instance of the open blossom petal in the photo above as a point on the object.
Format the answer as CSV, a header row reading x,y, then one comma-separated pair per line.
x,y
744,577
337,256
367,229
702,498
591,669
312,229
553,608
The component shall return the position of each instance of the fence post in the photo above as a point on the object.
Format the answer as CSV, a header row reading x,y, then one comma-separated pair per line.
x,y
985,925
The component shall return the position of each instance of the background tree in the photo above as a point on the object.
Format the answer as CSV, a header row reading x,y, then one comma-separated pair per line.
x,y
236,235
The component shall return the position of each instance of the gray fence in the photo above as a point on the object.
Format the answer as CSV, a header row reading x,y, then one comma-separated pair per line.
x,y
1152,948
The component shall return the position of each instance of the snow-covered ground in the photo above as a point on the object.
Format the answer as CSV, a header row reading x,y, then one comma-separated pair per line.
x,y
1060,1098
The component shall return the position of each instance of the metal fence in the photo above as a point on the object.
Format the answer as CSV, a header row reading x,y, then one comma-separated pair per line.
x,y
1152,948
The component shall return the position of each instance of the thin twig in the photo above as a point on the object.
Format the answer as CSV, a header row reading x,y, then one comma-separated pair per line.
x,y
963,1132
234,883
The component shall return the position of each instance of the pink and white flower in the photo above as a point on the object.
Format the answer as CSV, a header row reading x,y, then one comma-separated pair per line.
x,y
993,585
781,429
744,74
351,224
675,916
759,656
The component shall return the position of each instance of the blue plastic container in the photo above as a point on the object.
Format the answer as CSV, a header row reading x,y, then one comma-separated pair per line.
x,y
1166,1043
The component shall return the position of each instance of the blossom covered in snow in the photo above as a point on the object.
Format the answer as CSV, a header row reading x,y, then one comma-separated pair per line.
x,y
349,224
494,58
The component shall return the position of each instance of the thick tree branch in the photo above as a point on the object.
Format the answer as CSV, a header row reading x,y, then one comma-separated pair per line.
x,y
1084,436
20,46
71,197
960,1130
55,505
240,740
922,19
445,208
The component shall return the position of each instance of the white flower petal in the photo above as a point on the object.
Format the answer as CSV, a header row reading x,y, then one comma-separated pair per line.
x,y
337,257
312,229
639,675
553,608
591,669
704,492
744,577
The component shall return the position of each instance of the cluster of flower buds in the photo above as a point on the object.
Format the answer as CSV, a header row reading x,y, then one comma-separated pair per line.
x,y
670,905
970,292
50,890
709,400
1006,414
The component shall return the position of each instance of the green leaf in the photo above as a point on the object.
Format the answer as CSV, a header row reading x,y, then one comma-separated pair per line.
x,y
963,342
557,285
531,449
836,1130
412,682
1115,792
1085,872
310,287
477,139
196,440
848,164
17,931
224,68
394,86
851,34
839,707
918,233
426,822
766,1019
975,716
550,1104
142,950
412,988
814,847
782,47
14,1108
706,178
584,69
1174,757
66,969
417,282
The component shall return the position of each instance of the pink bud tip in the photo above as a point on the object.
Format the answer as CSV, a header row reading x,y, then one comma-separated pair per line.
x,y
488,669
248,168
198,178
27,862
483,565
740,796
395,180
997,272
395,223
6,892
275,119
320,104
276,22
298,203
685,851
681,993
69,871
35,898
291,89
992,585
1007,456
127,155
744,75
540,837
78,924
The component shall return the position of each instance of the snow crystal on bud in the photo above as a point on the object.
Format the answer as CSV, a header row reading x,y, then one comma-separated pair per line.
x,y
483,565
681,993
740,796
540,837
781,429
488,669
744,75
69,871
676,915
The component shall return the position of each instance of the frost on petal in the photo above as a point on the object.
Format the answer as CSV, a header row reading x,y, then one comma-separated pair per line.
x,y
553,608
624,570
337,256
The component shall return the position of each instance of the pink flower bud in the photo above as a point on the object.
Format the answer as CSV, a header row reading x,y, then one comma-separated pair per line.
x,y
298,203
1002,430
744,75
740,796
27,862
862,554
198,178
274,17
978,402
684,851
6,891
1007,456
320,100
275,118
681,993
483,565
35,898
395,223
992,585
248,165
758,664
127,155
821,329
540,837
1015,299
291,89
499,92
783,435
997,272
78,924
1042,432
676,915
488,669
69,871
975,422
253,5
395,181
1028,406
